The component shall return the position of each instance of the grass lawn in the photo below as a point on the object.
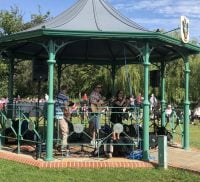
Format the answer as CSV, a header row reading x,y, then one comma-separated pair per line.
x,y
14,172
194,136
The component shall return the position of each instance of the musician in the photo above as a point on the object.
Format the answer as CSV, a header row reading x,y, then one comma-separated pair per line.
x,y
96,100
62,114
117,116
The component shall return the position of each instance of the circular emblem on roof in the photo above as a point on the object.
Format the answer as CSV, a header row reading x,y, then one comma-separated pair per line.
x,y
78,128
184,29
118,128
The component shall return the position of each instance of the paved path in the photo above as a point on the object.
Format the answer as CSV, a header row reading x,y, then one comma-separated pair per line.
x,y
180,158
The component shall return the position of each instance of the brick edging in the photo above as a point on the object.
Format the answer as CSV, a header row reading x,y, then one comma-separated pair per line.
x,y
75,164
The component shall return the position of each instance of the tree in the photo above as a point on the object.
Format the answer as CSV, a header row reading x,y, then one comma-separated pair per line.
x,y
37,19
12,22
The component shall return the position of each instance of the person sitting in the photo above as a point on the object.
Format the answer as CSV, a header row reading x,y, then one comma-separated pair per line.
x,y
117,115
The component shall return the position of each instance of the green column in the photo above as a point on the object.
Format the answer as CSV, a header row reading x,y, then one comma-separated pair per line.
x,y
50,115
186,144
59,75
163,103
10,87
146,103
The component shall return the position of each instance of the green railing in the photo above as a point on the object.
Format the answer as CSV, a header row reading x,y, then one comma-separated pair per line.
x,y
28,127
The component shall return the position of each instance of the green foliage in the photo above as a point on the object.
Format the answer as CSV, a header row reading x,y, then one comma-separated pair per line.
x,y
194,78
175,81
37,19
81,78
3,78
11,21
130,76
23,80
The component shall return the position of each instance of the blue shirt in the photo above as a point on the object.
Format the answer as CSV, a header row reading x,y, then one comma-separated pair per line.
x,y
61,101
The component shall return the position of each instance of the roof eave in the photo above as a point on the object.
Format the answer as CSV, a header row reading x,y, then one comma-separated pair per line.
x,y
97,34
21,36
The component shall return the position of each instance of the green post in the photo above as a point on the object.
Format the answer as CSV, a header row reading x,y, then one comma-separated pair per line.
x,y
50,115
146,54
186,144
59,75
162,151
10,87
163,94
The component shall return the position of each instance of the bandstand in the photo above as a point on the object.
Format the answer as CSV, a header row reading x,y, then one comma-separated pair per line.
x,y
93,32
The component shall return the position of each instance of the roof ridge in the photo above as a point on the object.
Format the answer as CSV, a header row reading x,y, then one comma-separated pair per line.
x,y
95,15
130,22
78,9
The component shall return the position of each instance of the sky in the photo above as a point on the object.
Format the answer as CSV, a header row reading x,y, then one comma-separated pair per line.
x,y
151,14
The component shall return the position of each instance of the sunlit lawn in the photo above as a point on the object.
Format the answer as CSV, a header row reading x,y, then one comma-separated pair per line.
x,y
194,136
14,172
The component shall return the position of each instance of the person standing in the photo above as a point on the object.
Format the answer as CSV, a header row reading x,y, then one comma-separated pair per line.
x,y
117,111
61,106
85,97
153,102
139,100
96,102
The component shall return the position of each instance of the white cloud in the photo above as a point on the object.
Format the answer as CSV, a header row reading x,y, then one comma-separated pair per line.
x,y
139,5
166,7
163,14
191,10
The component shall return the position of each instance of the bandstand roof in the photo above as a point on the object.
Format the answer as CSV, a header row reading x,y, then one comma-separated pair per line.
x,y
94,33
